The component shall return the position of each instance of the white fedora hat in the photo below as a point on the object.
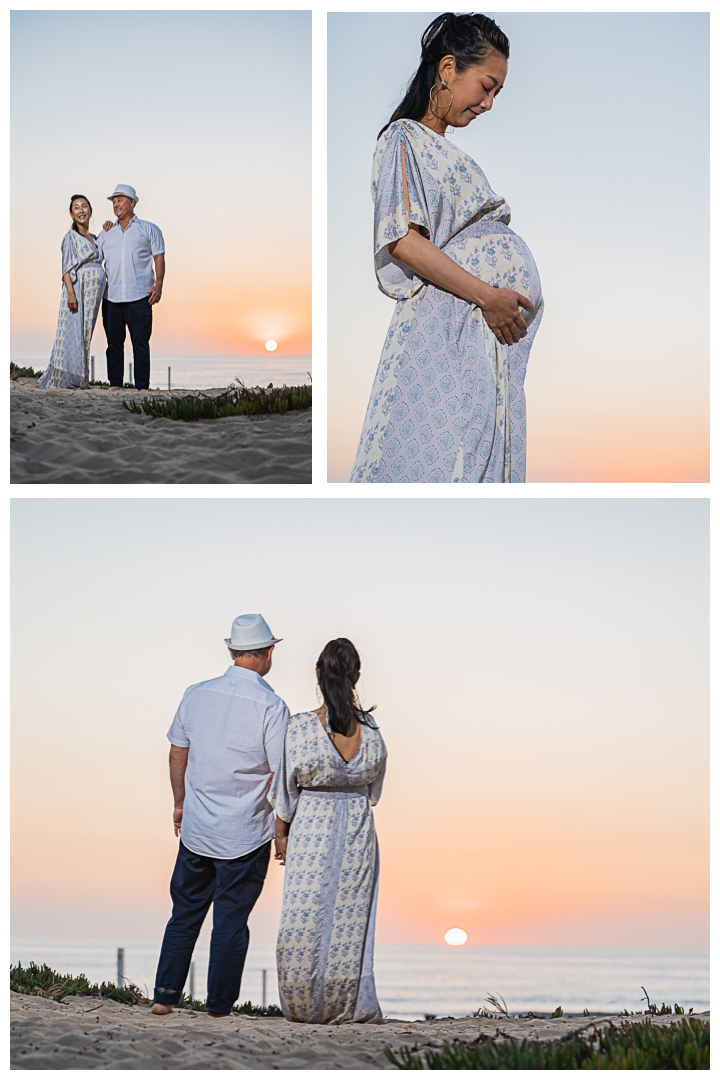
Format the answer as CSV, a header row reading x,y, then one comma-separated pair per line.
x,y
250,632
124,189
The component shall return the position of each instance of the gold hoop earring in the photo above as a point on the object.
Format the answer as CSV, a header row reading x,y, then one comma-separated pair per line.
x,y
434,100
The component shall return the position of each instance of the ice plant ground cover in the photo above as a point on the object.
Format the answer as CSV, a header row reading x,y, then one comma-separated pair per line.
x,y
685,1045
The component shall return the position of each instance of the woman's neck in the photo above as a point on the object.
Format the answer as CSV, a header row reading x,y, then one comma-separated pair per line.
x,y
434,123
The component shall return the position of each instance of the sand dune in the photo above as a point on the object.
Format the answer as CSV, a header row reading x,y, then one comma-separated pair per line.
x,y
87,437
86,1033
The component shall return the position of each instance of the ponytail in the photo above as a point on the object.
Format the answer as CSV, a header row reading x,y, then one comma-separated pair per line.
x,y
338,670
469,38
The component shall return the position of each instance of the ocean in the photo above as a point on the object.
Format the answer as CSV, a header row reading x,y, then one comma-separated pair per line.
x,y
201,372
414,981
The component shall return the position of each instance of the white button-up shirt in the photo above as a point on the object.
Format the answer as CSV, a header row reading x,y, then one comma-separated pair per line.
x,y
235,728
128,259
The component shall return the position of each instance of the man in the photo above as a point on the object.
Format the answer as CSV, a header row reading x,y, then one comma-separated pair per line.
x,y
132,250
227,740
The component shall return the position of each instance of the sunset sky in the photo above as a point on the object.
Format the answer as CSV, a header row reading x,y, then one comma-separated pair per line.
x,y
599,143
207,114
540,672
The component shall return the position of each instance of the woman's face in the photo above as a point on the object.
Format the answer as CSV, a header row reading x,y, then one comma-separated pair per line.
x,y
80,212
473,92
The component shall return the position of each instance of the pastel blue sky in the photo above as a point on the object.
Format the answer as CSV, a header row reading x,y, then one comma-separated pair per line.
x,y
539,666
600,144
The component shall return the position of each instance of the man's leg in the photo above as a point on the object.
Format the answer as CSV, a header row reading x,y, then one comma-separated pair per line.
x,y
113,317
191,888
239,884
139,320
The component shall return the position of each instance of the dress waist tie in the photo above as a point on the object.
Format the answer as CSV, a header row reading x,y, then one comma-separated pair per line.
x,y
337,793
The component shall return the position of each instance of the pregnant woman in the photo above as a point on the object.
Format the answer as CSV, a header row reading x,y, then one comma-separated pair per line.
x,y
84,284
328,780
448,404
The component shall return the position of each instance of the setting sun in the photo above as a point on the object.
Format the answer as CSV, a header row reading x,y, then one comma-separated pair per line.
x,y
456,936
271,346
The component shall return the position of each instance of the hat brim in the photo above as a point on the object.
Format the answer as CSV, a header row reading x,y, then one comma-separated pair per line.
x,y
250,648
123,195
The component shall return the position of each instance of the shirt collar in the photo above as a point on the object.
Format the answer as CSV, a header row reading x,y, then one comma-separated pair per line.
x,y
246,673
132,219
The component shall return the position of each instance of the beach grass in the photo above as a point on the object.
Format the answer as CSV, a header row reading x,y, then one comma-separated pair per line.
x,y
43,981
23,372
685,1045
30,373
237,401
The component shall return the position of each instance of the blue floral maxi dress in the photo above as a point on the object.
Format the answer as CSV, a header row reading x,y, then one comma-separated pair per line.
x,y
327,926
70,358
448,404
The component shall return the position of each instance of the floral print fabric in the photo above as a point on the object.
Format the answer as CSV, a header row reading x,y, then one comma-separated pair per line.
x,y
327,926
70,359
448,401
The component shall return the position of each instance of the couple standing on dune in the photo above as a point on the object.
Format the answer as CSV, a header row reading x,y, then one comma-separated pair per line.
x,y
128,285
236,754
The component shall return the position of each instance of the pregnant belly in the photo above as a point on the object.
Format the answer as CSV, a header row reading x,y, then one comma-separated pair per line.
x,y
497,255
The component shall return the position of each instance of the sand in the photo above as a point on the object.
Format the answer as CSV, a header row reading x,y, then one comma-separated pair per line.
x,y
87,437
86,1033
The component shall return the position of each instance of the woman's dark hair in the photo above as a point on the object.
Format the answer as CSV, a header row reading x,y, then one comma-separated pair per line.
x,y
338,668
469,38
74,224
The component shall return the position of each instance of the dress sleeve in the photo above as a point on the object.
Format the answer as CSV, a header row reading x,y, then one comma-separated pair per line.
x,y
392,222
284,792
70,258
375,786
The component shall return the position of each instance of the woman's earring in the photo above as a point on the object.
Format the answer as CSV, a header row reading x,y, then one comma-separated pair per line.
x,y
434,100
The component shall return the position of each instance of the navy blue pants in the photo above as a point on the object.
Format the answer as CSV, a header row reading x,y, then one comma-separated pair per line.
x,y
232,886
136,315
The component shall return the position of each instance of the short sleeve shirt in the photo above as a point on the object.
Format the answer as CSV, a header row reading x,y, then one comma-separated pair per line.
x,y
234,727
128,256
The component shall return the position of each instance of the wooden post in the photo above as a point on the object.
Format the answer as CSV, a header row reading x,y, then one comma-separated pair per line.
x,y
120,966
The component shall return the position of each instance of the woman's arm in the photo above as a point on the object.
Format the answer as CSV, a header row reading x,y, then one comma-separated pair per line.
x,y
282,831
499,306
72,299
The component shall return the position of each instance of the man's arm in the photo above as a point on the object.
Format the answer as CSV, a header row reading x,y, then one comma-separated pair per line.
x,y
156,291
178,765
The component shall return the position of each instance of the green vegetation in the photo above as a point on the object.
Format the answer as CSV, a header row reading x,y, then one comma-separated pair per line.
x,y
685,1045
29,373
238,401
41,980
23,372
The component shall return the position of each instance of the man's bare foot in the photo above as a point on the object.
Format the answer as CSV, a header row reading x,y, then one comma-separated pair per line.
x,y
217,1016
161,1010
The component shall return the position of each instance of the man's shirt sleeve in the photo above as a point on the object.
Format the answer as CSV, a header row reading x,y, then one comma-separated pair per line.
x,y
157,244
275,725
176,734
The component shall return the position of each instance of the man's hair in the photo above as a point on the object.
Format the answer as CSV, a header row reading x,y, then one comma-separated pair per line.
x,y
237,653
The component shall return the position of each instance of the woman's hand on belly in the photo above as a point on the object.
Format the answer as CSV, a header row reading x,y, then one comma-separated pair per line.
x,y
499,306
501,309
